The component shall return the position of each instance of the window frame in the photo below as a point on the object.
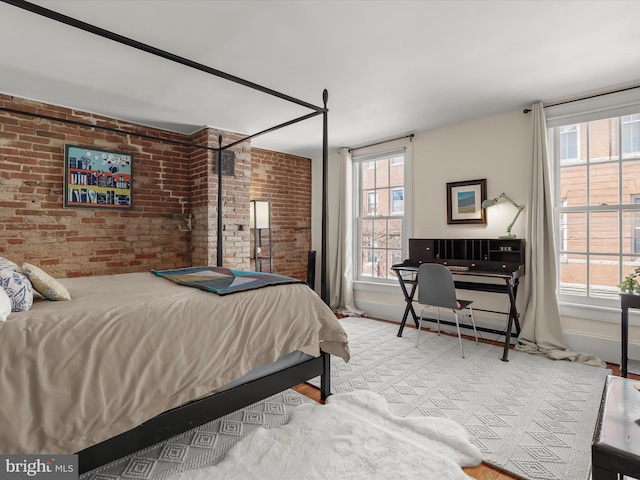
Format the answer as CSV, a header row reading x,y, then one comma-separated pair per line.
x,y
588,300
368,156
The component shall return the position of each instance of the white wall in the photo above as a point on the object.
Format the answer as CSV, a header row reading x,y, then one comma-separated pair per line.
x,y
500,149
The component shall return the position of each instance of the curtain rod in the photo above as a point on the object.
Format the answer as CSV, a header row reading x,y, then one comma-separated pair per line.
x,y
527,110
380,143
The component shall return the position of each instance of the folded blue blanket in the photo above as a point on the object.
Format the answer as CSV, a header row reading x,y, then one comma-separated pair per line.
x,y
223,281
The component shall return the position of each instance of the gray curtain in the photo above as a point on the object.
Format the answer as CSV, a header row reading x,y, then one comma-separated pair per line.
x,y
341,261
541,326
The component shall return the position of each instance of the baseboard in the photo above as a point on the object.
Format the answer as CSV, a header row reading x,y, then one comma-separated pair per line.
x,y
607,349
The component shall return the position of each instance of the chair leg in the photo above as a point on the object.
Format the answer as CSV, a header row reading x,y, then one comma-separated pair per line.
x,y
438,314
459,336
419,327
473,322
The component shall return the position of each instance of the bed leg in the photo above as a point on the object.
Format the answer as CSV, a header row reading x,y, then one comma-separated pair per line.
x,y
325,378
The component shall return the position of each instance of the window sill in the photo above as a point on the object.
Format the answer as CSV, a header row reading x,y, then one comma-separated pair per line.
x,y
598,313
377,287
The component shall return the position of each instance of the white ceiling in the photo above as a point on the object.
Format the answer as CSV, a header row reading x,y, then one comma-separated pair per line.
x,y
391,67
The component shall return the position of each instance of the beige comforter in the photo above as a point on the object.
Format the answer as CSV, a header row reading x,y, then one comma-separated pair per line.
x,y
128,347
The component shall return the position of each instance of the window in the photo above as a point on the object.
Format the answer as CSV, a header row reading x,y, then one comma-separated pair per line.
x,y
597,164
379,215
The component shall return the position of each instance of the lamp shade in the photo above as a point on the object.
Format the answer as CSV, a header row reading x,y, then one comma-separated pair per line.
x,y
489,202
259,214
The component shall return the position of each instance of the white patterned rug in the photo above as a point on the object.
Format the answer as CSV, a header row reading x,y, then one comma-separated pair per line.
x,y
203,446
531,416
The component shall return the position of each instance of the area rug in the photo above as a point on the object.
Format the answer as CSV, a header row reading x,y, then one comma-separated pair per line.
x,y
531,416
202,446
353,437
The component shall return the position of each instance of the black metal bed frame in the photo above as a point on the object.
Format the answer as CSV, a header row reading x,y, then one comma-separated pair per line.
x,y
201,411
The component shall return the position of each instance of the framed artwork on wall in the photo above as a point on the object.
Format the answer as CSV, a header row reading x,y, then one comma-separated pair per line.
x,y
464,202
97,178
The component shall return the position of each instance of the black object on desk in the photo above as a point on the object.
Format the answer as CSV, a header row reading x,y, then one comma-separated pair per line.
x,y
616,439
627,301
477,258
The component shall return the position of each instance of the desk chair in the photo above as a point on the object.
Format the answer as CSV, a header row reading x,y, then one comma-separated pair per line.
x,y
437,289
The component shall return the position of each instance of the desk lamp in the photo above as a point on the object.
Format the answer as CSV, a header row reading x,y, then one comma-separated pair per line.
x,y
492,201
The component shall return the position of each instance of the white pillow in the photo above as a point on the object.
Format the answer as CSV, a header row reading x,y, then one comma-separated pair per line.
x,y
18,288
6,263
45,284
5,305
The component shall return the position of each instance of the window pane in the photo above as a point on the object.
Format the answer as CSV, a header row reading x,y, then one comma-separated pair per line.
x,y
380,233
369,203
569,142
603,140
573,274
383,201
576,231
395,256
382,173
603,232
397,171
631,136
395,234
631,181
604,276
631,231
379,263
397,201
366,233
366,262
367,175
603,181
573,185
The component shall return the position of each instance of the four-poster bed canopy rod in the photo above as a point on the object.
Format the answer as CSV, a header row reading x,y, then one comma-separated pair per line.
x,y
324,283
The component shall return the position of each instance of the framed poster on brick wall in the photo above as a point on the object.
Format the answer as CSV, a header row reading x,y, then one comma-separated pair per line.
x,y
97,178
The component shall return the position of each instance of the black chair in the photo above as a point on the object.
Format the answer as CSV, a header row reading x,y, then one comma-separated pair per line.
x,y
437,289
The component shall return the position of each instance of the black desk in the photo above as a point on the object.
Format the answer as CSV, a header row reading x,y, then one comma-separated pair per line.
x,y
627,301
407,275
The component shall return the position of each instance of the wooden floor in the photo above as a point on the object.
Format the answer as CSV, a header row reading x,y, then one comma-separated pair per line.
x,y
482,472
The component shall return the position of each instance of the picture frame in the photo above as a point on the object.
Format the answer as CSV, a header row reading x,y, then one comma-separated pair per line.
x,y
464,202
96,178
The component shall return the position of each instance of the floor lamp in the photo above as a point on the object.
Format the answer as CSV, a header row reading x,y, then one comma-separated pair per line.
x,y
260,219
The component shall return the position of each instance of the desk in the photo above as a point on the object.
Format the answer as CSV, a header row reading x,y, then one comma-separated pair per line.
x,y
627,301
407,275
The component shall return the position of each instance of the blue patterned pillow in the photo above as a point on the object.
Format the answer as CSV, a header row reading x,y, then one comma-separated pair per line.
x,y
18,288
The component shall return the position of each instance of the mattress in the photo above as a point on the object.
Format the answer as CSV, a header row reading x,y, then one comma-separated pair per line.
x,y
128,347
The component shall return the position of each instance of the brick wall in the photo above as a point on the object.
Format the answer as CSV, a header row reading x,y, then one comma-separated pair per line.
x,y
174,189
70,242
285,180
235,202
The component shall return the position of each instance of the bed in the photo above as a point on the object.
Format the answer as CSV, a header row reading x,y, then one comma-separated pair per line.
x,y
127,348
94,392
